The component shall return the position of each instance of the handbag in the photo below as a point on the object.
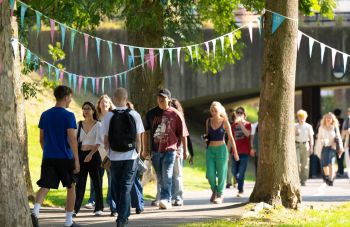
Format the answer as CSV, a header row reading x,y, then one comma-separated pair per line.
x,y
106,163
141,166
78,135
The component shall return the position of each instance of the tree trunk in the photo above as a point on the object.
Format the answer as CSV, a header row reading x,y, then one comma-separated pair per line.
x,y
278,180
143,83
13,195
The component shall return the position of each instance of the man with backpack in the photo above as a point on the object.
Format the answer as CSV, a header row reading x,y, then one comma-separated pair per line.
x,y
122,130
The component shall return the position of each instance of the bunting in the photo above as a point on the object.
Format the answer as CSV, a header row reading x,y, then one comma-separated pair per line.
x,y
63,34
322,51
277,20
250,28
98,42
311,44
110,50
345,61
38,22
72,38
52,31
23,12
86,40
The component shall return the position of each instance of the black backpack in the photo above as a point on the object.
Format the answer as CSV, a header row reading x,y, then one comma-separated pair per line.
x,y
122,131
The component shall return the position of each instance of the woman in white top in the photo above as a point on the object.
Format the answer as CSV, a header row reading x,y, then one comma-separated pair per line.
x,y
88,143
328,133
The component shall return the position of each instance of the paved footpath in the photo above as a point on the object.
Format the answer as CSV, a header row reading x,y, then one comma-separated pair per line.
x,y
198,208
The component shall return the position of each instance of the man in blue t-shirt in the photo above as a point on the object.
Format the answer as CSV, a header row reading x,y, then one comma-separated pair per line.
x,y
60,152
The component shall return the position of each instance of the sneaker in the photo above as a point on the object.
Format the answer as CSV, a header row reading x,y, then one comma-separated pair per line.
x,y
90,205
240,194
213,197
155,203
302,183
219,200
35,220
228,185
74,214
139,211
179,203
99,213
114,214
164,204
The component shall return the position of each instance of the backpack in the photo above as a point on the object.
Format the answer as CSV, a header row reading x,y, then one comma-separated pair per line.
x,y
122,131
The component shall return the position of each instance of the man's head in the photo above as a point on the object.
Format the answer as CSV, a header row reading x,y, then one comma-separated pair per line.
x,y
302,115
164,99
63,94
337,112
120,96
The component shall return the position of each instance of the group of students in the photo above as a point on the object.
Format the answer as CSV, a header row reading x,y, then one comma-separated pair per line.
x,y
70,153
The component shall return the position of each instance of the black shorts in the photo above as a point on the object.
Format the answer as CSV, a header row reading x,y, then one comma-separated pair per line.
x,y
54,171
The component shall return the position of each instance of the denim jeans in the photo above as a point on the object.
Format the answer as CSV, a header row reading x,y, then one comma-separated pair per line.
x,y
163,163
328,156
123,175
239,168
177,184
109,199
137,195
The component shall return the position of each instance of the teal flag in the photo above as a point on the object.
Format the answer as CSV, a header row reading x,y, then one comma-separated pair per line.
x,y
38,22
98,42
29,56
260,21
123,81
49,70
276,21
131,49
110,83
85,84
57,73
142,54
110,51
93,85
70,79
75,82
63,33
23,12
72,38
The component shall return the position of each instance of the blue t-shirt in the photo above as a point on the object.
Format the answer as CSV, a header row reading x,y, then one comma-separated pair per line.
x,y
55,122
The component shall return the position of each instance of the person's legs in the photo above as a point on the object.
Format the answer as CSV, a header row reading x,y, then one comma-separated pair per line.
x,y
221,168
39,199
229,173
95,171
243,158
167,162
137,195
298,151
70,205
158,169
177,182
211,169
304,163
81,183
110,201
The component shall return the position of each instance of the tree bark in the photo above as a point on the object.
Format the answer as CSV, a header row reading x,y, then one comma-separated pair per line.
x,y
13,195
144,83
278,180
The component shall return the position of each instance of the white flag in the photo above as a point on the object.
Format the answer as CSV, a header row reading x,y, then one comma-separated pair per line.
x,y
322,51
311,44
345,59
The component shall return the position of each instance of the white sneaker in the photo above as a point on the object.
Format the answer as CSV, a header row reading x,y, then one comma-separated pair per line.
x,y
164,204
98,213
90,206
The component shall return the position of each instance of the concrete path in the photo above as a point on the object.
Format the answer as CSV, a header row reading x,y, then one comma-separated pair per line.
x,y
198,208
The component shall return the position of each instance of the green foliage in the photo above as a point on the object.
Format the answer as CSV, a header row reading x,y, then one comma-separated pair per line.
x,y
50,83
30,90
56,53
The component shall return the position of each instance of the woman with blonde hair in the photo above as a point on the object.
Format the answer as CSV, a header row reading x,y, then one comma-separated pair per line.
x,y
329,140
217,152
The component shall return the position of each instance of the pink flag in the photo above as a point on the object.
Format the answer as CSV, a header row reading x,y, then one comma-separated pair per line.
x,y
41,72
0,2
122,52
151,55
97,84
80,81
23,52
116,81
52,25
86,38
61,76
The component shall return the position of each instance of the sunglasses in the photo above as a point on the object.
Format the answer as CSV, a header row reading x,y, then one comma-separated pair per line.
x,y
239,112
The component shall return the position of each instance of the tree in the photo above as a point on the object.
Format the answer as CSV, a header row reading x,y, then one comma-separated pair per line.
x,y
13,196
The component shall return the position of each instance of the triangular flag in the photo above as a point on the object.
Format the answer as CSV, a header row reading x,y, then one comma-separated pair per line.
x,y
110,83
151,56
69,79
196,52
80,81
170,50
36,63
110,50
98,42
123,76
52,26
322,51
12,6
74,82
334,52
250,28
214,46
15,47
93,85
85,85
142,55
131,49
122,52
72,38
61,76
130,62
116,80
63,34
29,57
23,12
311,44
23,52
222,41
41,71
300,35
230,37
259,21
161,54
345,59
0,2
103,85
38,22
97,85
276,21
178,54
57,73
49,71
86,39
190,51
207,48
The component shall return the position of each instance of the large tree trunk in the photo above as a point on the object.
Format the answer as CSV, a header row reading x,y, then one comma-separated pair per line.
x,y
277,180
13,195
143,83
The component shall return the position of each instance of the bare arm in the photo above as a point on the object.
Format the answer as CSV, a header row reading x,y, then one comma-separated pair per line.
x,y
41,139
138,143
184,145
72,140
230,140
145,144
106,142
245,131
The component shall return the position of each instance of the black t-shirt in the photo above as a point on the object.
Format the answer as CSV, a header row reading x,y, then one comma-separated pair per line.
x,y
153,119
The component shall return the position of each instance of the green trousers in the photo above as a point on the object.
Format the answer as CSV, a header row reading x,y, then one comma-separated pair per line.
x,y
216,160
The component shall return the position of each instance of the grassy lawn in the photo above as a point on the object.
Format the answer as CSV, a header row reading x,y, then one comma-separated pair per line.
x,y
336,216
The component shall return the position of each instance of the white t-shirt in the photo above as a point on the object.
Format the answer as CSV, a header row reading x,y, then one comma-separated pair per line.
x,y
92,137
129,155
254,126
303,132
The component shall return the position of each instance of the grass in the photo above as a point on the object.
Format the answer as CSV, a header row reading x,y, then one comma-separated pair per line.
x,y
335,216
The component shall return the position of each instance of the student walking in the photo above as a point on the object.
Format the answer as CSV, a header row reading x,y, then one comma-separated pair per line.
x,y
88,135
60,153
217,153
122,130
